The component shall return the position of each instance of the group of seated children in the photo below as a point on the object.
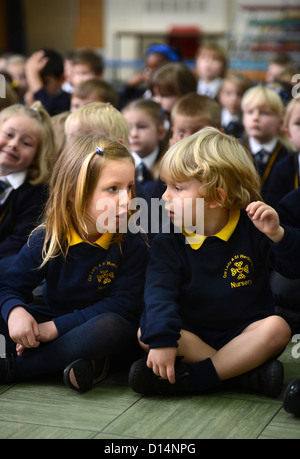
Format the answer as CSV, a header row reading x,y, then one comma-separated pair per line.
x,y
197,299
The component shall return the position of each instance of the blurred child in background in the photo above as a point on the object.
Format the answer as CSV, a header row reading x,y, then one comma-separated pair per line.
x,y
233,87
138,85
94,90
286,173
45,76
211,65
169,83
98,118
86,64
263,113
191,113
15,66
147,135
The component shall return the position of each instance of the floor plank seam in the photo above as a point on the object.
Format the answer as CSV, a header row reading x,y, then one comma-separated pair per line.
x,y
269,422
121,414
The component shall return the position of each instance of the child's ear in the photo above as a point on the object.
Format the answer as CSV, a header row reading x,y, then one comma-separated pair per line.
x,y
287,133
221,193
161,132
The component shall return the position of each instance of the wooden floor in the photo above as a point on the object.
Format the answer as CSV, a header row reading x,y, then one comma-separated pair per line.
x,y
46,409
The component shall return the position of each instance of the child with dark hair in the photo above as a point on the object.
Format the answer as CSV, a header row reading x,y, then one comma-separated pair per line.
x,y
137,86
86,64
93,90
45,76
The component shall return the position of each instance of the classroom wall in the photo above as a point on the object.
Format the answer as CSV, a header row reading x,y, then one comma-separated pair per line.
x,y
48,24
156,16
66,24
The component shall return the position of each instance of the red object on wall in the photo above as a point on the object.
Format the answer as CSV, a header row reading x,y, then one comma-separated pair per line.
x,y
186,38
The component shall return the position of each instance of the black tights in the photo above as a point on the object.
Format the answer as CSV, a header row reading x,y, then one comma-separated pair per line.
x,y
102,336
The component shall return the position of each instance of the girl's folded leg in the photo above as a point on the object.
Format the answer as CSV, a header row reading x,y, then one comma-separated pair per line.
x,y
101,336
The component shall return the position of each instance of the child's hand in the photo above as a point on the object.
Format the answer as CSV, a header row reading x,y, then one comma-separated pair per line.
x,y
162,361
47,331
33,67
266,219
23,328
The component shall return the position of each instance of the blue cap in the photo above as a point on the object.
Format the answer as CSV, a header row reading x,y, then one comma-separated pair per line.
x,y
166,50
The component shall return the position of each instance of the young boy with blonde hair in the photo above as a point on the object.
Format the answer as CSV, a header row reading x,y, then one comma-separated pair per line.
x,y
98,118
209,311
263,113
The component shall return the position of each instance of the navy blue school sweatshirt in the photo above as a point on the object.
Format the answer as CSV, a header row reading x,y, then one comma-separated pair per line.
x,y
221,286
91,280
284,178
19,215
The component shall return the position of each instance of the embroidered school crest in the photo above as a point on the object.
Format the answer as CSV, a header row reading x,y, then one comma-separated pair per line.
x,y
239,271
105,276
104,273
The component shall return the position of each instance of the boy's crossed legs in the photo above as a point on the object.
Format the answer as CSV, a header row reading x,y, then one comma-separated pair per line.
x,y
248,354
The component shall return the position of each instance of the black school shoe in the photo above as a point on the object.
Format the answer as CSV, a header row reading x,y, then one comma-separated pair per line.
x,y
82,374
291,398
143,381
7,369
266,379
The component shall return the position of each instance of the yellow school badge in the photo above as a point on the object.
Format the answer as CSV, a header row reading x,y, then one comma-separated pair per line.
x,y
105,272
239,271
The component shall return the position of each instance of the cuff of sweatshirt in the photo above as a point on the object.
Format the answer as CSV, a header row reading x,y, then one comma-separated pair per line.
x,y
65,323
9,305
164,341
289,242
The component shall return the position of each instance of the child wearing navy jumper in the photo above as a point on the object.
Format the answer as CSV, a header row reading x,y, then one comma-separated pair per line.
x,y
209,312
27,149
286,173
94,273
263,112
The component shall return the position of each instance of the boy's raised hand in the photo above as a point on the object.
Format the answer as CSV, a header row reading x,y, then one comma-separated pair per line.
x,y
266,219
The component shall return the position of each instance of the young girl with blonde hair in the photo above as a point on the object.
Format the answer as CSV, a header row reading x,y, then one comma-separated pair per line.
x,y
209,312
94,273
27,149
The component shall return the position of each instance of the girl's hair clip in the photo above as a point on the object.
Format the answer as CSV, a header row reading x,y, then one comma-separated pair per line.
x,y
99,151
38,113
